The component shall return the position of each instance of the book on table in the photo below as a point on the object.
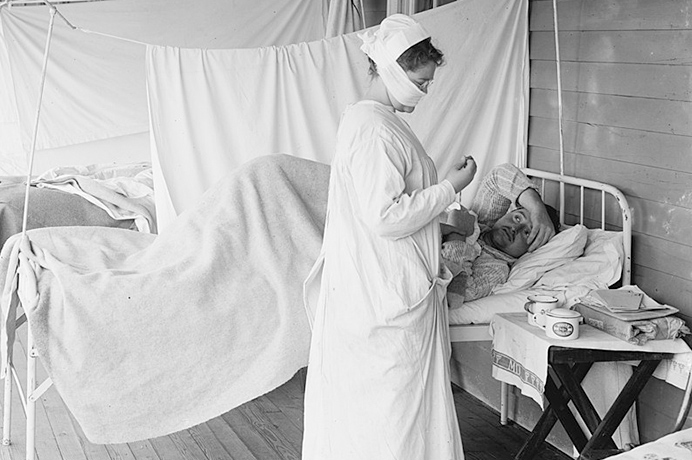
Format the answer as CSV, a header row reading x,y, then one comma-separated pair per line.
x,y
618,299
626,304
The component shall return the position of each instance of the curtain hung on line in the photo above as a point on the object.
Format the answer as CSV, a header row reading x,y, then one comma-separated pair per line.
x,y
212,110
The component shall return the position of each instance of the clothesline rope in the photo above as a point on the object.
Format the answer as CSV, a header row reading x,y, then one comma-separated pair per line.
x,y
32,151
559,111
87,31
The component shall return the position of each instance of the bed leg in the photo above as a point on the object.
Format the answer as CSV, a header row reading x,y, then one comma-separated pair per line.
x,y
504,394
7,404
30,401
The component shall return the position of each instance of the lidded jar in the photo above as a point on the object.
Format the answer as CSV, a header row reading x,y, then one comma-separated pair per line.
x,y
562,324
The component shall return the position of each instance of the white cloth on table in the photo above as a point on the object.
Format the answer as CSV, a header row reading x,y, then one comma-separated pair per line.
x,y
520,353
378,374
520,358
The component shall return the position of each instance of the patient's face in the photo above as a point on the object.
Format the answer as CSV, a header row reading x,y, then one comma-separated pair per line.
x,y
510,234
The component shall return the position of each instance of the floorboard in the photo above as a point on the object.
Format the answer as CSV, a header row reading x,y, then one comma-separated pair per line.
x,y
267,428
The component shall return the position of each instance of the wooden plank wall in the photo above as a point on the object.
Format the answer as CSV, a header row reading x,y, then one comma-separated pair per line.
x,y
627,111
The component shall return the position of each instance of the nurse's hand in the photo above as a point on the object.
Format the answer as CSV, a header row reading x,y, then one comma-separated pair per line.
x,y
462,173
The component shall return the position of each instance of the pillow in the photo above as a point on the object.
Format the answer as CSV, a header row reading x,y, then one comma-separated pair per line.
x,y
598,268
562,248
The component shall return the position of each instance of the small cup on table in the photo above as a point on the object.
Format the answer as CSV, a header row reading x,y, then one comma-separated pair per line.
x,y
537,307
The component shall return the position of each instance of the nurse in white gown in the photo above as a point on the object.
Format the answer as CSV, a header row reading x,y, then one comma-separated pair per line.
x,y
378,384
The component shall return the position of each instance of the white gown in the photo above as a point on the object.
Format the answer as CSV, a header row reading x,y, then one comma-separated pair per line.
x,y
378,385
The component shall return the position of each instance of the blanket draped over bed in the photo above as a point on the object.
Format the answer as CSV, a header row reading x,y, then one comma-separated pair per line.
x,y
146,335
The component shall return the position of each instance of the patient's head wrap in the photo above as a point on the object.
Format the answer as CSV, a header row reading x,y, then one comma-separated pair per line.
x,y
396,34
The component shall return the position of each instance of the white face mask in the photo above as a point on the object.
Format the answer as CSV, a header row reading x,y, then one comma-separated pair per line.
x,y
396,34
399,85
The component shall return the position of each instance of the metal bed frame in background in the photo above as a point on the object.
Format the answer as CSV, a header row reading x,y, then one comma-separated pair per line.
x,y
584,209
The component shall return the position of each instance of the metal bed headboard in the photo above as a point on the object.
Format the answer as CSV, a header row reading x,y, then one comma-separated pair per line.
x,y
578,210
603,205
592,196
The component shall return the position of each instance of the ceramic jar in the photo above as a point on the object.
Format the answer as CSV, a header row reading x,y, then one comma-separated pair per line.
x,y
562,324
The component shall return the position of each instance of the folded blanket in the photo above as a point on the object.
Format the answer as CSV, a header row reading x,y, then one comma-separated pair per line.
x,y
125,193
47,208
145,335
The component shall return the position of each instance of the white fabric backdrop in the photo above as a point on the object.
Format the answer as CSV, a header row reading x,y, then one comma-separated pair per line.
x,y
96,87
211,110
10,145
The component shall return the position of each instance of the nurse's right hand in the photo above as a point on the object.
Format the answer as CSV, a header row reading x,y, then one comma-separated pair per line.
x,y
462,173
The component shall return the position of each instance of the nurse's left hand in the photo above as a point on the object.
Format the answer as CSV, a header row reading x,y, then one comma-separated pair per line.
x,y
462,173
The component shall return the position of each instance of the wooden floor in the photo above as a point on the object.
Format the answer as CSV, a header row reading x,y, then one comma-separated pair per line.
x,y
268,428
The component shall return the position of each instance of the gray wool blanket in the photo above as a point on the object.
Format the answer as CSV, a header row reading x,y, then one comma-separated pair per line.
x,y
145,335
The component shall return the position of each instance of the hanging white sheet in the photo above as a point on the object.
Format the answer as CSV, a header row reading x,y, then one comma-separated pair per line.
x,y
95,87
12,163
211,110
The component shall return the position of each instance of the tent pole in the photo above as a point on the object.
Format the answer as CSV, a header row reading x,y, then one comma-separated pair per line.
x,y
32,152
31,358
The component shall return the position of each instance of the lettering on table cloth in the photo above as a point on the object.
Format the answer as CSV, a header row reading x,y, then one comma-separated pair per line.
x,y
509,364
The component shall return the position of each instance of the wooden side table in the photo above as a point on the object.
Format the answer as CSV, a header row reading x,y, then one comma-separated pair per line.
x,y
551,372
567,368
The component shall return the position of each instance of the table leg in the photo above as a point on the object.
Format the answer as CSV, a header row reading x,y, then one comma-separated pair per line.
x,y
622,404
582,402
558,399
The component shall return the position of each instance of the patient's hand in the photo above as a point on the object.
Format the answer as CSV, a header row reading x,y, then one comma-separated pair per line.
x,y
542,230
459,224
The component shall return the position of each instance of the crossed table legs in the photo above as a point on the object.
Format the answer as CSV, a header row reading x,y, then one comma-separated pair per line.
x,y
568,367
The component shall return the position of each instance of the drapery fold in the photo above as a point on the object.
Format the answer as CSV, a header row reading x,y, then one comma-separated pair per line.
x,y
212,110
144,335
95,87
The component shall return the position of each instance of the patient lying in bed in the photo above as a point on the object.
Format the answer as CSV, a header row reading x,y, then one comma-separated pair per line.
x,y
506,220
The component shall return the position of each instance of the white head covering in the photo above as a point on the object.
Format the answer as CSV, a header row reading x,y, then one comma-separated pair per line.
x,y
396,34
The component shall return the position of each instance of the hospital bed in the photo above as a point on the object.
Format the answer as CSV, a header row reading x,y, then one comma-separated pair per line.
x,y
603,260
92,195
280,348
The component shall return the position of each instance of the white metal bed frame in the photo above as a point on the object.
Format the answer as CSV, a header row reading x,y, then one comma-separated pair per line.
x,y
480,332
458,333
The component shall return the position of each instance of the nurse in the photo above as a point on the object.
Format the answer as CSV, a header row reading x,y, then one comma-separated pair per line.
x,y
378,385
